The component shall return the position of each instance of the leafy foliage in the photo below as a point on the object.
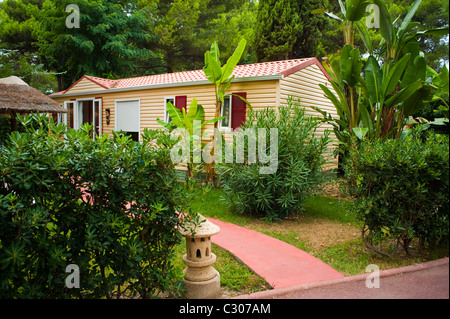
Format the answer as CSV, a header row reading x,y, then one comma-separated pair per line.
x,y
184,29
402,188
287,29
375,97
105,44
26,67
108,205
300,160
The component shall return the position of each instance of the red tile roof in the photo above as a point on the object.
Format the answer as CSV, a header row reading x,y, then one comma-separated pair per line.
x,y
283,68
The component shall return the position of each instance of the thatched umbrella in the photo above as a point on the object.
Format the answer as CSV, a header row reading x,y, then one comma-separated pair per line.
x,y
16,96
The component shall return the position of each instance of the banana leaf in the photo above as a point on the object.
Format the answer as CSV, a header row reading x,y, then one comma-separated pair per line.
x,y
342,110
360,132
228,68
404,94
167,126
351,65
415,71
212,69
409,15
417,100
386,26
392,77
374,79
355,9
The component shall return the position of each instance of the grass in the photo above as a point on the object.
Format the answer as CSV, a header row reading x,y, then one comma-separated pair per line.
x,y
325,229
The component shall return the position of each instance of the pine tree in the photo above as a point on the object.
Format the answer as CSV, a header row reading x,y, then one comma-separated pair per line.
x,y
286,29
104,45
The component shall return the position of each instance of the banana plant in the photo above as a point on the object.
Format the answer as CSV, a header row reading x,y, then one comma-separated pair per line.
x,y
441,81
393,84
352,11
348,89
221,77
398,88
181,119
395,39
191,125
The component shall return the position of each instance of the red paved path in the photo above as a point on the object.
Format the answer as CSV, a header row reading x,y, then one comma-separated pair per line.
x,y
280,264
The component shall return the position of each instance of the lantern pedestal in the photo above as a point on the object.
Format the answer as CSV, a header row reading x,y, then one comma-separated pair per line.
x,y
202,281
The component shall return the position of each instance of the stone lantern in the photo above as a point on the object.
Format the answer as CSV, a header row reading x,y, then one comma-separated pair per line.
x,y
202,281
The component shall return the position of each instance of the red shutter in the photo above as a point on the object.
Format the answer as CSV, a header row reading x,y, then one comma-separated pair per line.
x,y
238,110
180,102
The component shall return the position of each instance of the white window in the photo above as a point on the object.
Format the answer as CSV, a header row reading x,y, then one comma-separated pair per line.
x,y
128,117
170,99
225,124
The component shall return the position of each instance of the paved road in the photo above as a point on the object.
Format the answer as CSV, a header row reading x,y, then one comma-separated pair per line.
x,y
423,281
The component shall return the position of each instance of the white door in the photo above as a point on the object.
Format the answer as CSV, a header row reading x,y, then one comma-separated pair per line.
x,y
128,117
87,111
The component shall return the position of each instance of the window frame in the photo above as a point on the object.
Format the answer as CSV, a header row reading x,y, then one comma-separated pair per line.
x,y
226,128
166,113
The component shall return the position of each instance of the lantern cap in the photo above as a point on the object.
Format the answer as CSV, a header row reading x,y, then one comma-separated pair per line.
x,y
202,228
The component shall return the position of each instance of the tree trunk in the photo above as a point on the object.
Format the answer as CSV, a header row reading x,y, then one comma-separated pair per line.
x,y
211,170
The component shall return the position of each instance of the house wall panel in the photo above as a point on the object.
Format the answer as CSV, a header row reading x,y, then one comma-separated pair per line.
x,y
304,85
260,94
85,85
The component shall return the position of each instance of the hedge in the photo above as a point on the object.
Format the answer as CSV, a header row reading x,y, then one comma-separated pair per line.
x,y
401,188
107,205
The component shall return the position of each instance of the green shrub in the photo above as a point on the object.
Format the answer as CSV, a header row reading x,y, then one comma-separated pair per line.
x,y
299,166
6,127
401,188
106,205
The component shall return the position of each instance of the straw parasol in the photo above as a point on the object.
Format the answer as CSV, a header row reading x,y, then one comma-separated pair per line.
x,y
16,96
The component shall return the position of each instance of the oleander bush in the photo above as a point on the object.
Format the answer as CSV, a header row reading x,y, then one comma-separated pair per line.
x,y
401,188
295,171
108,205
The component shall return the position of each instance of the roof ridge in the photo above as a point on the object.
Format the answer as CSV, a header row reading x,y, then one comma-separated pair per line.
x,y
197,70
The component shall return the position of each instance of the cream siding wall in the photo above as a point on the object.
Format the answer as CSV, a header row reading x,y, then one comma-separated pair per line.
x,y
85,85
259,93
304,85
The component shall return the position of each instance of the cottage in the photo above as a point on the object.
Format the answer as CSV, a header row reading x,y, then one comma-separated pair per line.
x,y
133,104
